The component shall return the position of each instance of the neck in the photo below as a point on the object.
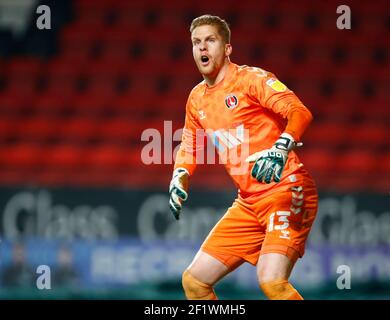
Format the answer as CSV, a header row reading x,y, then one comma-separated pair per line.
x,y
211,80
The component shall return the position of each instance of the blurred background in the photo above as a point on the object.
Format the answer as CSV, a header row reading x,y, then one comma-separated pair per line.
x,y
75,99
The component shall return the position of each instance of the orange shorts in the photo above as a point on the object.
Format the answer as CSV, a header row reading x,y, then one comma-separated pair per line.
x,y
278,221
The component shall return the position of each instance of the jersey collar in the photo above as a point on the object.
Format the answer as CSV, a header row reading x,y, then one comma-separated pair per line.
x,y
224,82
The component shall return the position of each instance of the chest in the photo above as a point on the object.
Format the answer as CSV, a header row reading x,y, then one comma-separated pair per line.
x,y
226,109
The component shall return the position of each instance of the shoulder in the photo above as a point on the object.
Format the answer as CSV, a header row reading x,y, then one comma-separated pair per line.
x,y
251,73
199,88
194,96
197,91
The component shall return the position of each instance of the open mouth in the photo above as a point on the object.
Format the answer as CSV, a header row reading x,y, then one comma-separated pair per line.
x,y
205,59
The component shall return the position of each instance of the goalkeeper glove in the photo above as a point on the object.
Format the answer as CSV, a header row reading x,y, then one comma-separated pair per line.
x,y
269,164
178,190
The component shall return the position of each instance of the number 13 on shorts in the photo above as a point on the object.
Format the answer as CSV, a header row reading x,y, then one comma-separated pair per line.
x,y
279,221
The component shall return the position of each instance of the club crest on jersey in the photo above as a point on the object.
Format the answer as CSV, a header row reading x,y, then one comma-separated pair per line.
x,y
231,101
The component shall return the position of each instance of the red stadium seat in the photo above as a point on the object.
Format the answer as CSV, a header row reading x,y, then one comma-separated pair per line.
x,y
84,7
10,178
336,109
329,134
21,156
350,183
63,158
92,102
22,74
384,164
376,109
368,135
161,42
63,74
7,127
63,68
131,18
104,76
79,43
118,130
23,67
171,107
134,105
79,130
356,161
318,160
52,102
106,157
13,102
37,129
127,131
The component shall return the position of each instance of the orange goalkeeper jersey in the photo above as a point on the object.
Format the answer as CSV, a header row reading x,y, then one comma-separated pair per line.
x,y
244,113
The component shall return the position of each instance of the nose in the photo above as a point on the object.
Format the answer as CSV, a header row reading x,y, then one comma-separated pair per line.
x,y
203,46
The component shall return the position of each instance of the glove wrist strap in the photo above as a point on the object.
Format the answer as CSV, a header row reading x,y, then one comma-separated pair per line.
x,y
179,170
285,142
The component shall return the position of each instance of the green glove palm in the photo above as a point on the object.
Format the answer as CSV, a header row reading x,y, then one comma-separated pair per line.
x,y
269,164
178,191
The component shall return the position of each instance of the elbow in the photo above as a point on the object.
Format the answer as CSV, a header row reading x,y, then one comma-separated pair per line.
x,y
305,114
309,116
300,113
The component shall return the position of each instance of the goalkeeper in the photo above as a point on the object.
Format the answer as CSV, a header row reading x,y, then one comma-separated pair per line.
x,y
255,117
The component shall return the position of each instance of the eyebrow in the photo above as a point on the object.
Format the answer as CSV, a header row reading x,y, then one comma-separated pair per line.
x,y
207,37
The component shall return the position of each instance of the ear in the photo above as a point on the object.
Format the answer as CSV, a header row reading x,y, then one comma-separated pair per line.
x,y
228,49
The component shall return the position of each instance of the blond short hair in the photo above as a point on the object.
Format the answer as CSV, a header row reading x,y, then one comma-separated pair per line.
x,y
207,19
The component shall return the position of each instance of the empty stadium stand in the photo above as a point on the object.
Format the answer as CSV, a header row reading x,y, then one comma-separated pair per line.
x,y
77,116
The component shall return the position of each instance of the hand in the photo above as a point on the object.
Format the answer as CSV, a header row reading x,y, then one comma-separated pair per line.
x,y
269,164
178,191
